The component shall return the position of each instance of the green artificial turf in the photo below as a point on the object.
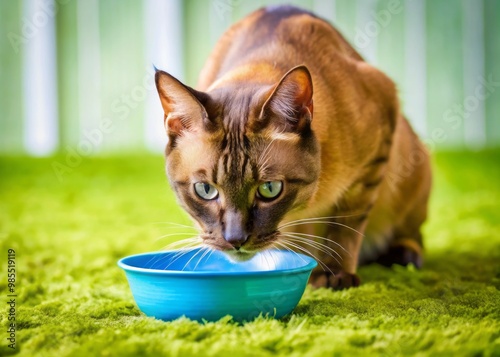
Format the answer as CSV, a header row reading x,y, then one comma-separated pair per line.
x,y
73,300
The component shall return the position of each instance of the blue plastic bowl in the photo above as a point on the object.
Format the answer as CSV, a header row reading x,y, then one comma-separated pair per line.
x,y
171,284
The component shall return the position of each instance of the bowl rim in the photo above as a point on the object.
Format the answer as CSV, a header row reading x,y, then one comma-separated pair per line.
x,y
311,263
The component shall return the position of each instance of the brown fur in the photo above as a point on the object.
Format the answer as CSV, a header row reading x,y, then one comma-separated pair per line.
x,y
357,162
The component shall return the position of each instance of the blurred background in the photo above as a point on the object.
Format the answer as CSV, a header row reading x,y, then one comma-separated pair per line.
x,y
77,76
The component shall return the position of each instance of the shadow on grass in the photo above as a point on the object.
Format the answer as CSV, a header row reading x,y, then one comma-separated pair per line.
x,y
457,284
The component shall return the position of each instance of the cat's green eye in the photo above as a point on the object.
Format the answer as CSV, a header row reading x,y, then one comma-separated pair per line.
x,y
270,189
205,190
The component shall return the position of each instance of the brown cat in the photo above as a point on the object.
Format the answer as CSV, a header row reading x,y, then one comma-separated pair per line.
x,y
293,141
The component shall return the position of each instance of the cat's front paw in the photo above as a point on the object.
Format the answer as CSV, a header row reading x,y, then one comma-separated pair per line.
x,y
339,281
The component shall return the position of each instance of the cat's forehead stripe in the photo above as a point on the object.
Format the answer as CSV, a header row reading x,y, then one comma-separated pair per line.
x,y
233,164
215,171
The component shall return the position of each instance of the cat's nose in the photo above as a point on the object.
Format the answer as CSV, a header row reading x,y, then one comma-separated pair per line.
x,y
236,241
235,236
234,232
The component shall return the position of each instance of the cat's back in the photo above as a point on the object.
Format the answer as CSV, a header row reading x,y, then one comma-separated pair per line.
x,y
300,29
282,35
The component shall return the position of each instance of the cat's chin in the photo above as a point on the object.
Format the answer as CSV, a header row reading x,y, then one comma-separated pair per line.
x,y
238,256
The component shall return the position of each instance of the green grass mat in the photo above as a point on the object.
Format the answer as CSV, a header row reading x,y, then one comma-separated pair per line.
x,y
72,299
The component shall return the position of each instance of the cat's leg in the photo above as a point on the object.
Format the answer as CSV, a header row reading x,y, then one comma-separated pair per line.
x,y
345,235
403,251
333,242
406,246
346,231
408,188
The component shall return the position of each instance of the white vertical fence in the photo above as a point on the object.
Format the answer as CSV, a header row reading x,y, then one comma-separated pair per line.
x,y
473,68
40,129
177,37
415,65
89,67
163,22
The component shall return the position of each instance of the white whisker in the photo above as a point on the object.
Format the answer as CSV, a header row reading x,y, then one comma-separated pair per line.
x,y
324,222
183,243
324,218
311,242
306,251
273,257
179,254
290,250
175,225
324,249
208,250
263,255
212,250
173,234
306,236
194,255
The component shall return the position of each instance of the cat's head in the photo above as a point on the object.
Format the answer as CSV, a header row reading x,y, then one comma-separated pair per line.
x,y
240,157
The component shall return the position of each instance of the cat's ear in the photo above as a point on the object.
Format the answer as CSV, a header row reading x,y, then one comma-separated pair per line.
x,y
290,102
182,105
